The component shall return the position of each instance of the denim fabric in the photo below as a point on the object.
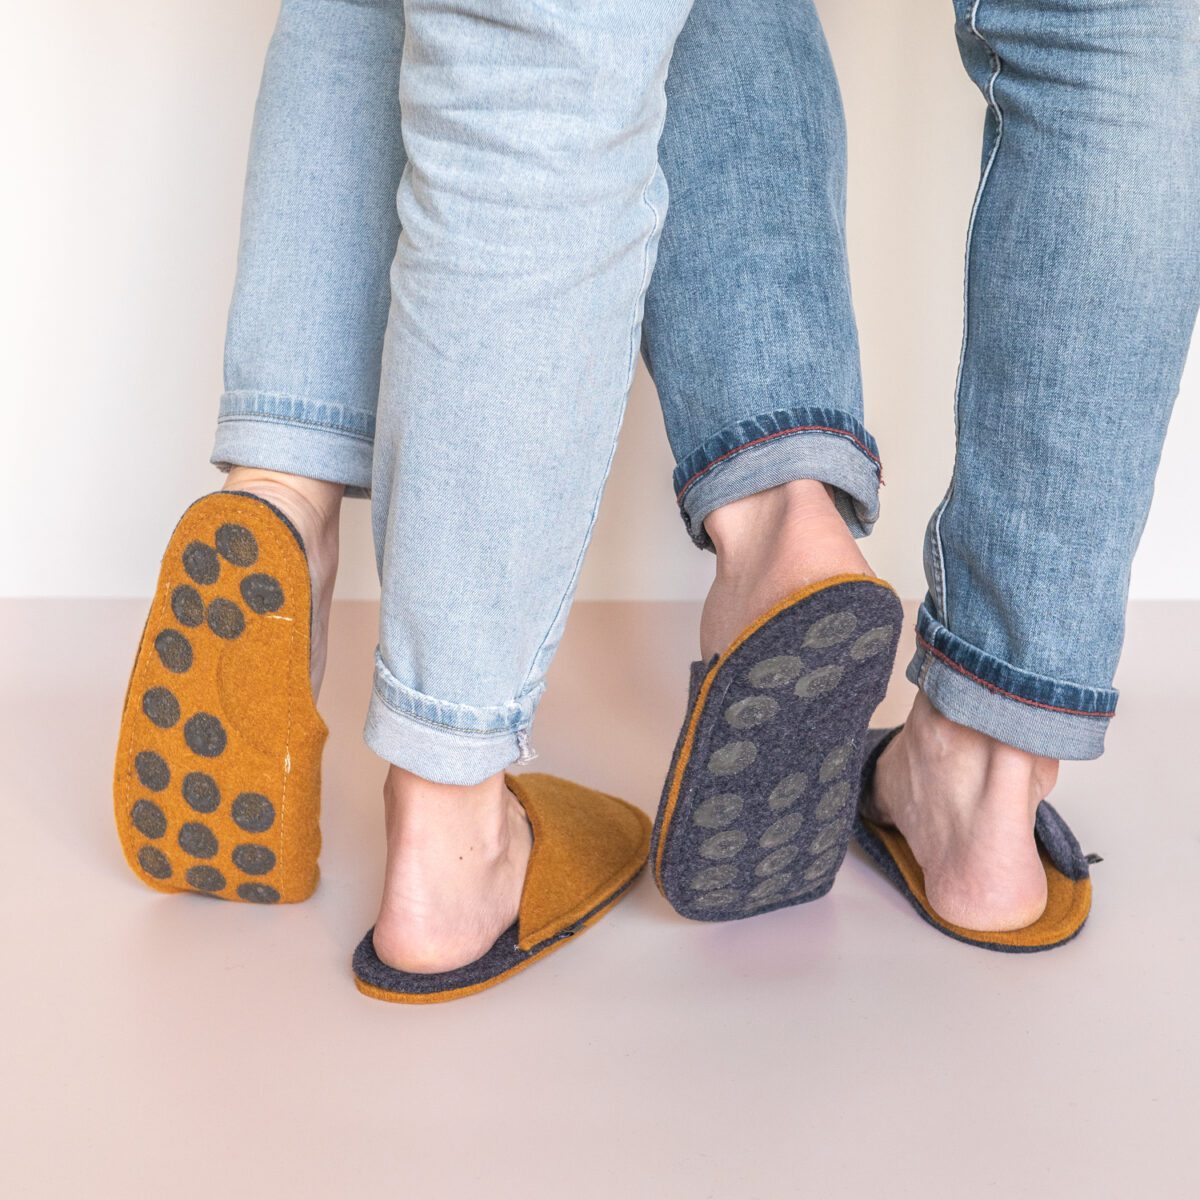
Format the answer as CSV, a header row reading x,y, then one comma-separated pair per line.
x,y
1082,290
304,340
457,279
749,325
532,210
1083,280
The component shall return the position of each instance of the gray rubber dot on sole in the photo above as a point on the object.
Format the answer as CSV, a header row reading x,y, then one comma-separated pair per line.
x,y
187,605
258,893
149,819
254,860
751,711
205,735
201,563
780,831
821,867
777,860
152,770
732,758
819,682
708,878
831,630
835,799
787,791
174,651
262,593
826,838
154,862
253,812
197,840
205,879
718,811
723,845
721,899
225,619
236,544
769,889
160,705
201,792
836,761
873,642
776,671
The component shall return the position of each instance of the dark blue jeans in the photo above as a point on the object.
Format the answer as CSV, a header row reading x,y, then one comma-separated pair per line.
x,y
1083,280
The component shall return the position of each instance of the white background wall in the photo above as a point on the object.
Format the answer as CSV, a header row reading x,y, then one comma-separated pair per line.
x,y
126,125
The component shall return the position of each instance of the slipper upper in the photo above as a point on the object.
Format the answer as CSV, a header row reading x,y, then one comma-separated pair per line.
x,y
586,846
587,850
1052,833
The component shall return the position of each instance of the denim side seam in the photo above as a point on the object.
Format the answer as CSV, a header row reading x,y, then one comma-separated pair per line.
x,y
857,475
935,557
549,643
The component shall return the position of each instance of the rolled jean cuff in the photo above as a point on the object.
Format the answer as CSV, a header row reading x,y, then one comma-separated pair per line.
x,y
1031,712
302,437
762,452
442,741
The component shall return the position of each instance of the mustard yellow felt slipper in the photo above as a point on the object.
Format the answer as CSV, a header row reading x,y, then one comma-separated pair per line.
x,y
1068,876
217,781
587,850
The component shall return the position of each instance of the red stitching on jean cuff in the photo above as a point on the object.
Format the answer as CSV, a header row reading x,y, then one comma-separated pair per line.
x,y
1073,712
781,433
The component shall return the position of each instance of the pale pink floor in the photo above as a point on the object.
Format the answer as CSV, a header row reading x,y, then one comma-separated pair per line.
x,y
174,1046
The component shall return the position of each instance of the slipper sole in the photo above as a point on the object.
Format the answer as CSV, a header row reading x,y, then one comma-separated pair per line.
x,y
216,786
1068,882
759,802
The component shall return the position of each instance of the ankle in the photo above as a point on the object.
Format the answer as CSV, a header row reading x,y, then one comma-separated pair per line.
x,y
980,766
769,545
435,821
742,530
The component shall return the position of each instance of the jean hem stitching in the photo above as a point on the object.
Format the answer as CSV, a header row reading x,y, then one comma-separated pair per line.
x,y
992,687
232,418
441,726
767,437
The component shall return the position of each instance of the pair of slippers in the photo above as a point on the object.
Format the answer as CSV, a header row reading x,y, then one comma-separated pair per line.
x,y
217,780
217,777
772,774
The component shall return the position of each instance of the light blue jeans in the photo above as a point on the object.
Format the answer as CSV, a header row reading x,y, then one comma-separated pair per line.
x,y
462,355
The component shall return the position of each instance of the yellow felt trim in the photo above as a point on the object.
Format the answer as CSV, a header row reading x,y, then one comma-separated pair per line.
x,y
257,685
1068,901
685,752
459,993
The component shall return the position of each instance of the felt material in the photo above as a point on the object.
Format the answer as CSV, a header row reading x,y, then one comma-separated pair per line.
x,y
216,786
758,805
587,850
1068,882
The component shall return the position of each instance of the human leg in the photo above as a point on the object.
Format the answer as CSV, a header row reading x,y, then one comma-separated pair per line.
x,y
1082,290
530,211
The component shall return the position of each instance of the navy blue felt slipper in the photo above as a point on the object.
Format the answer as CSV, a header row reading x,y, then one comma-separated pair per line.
x,y
758,805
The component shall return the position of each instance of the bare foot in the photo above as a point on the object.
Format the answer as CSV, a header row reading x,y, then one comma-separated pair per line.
x,y
455,871
769,545
966,805
313,506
